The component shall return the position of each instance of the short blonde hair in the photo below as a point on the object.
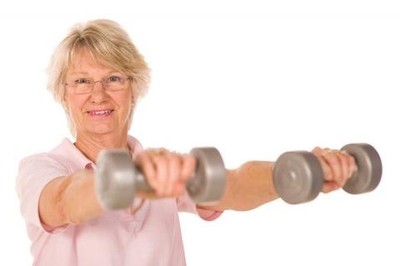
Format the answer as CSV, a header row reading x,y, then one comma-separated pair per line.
x,y
106,41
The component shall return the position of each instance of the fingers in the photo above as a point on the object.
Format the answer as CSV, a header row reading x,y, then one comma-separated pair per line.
x,y
338,166
166,172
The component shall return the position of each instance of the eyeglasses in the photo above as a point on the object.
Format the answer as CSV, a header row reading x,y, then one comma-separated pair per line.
x,y
86,85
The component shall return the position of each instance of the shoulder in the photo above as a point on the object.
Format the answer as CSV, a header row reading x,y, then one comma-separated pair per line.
x,y
39,160
43,166
53,157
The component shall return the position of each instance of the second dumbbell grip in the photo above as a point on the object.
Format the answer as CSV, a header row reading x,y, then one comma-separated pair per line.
x,y
141,184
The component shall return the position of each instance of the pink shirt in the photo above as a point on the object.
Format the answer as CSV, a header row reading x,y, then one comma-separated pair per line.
x,y
150,236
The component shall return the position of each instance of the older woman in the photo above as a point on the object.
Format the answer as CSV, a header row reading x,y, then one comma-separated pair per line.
x,y
97,74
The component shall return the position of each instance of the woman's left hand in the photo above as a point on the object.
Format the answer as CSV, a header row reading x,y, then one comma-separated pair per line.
x,y
166,172
338,167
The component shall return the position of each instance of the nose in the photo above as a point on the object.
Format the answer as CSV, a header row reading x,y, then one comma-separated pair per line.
x,y
99,82
98,93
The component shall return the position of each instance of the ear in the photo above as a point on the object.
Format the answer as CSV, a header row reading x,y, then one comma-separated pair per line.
x,y
64,103
133,101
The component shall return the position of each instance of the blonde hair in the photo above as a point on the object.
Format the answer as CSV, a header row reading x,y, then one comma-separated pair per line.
x,y
106,41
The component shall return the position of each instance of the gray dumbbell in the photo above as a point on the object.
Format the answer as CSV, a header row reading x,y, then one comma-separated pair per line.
x,y
118,179
298,176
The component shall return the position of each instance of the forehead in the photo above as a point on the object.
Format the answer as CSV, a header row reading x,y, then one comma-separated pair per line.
x,y
84,62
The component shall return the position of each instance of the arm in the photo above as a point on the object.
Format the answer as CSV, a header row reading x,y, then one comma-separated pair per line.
x,y
247,187
251,185
73,200
69,200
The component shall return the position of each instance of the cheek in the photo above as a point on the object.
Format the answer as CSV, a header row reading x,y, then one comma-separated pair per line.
x,y
73,106
126,108
125,102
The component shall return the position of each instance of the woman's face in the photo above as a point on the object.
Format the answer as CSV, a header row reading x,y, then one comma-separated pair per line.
x,y
100,110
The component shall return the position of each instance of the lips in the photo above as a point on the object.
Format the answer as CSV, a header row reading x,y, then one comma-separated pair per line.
x,y
102,112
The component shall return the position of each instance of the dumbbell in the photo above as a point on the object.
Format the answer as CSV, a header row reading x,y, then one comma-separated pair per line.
x,y
298,176
118,179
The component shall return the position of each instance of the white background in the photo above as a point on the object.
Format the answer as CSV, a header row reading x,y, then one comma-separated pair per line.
x,y
253,79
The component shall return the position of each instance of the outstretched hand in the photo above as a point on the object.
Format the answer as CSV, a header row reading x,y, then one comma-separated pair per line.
x,y
338,167
166,172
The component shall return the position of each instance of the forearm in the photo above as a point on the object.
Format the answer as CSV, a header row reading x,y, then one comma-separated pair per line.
x,y
248,187
69,200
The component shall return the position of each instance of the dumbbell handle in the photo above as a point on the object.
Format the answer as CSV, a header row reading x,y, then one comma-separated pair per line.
x,y
141,184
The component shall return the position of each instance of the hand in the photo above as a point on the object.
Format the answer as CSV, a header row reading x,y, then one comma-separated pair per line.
x,y
166,172
338,167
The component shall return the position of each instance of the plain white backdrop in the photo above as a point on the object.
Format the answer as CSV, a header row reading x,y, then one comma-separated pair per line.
x,y
250,78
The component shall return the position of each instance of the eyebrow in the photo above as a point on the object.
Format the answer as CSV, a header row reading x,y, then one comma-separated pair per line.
x,y
87,73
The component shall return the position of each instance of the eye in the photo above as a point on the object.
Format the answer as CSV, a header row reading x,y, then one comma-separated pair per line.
x,y
80,81
114,79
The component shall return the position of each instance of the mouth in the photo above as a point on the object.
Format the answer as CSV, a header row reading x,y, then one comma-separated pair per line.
x,y
100,113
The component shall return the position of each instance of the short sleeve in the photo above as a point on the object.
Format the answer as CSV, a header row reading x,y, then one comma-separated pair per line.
x,y
33,174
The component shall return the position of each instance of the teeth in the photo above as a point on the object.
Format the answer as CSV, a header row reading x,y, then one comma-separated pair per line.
x,y
100,112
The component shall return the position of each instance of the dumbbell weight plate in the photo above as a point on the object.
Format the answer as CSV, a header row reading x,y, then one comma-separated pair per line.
x,y
208,184
115,179
369,168
297,176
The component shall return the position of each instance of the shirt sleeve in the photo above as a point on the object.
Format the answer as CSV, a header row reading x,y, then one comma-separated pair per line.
x,y
186,204
33,174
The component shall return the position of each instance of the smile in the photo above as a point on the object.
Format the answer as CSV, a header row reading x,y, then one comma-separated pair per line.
x,y
100,112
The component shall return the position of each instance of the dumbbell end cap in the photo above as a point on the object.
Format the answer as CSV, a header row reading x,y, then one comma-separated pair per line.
x,y
297,177
208,184
115,182
369,168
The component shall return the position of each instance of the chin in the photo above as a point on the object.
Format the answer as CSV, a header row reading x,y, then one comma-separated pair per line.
x,y
100,130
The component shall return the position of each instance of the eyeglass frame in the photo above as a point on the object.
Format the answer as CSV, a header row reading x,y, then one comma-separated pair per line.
x,y
103,82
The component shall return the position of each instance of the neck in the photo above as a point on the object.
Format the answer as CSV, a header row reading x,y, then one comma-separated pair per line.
x,y
91,145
